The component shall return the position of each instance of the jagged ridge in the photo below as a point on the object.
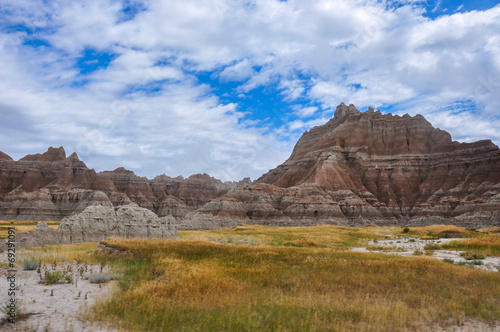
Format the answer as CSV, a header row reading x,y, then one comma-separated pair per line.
x,y
50,186
369,167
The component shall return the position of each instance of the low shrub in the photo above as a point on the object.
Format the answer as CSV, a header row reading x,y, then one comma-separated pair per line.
x,y
51,278
477,262
69,278
470,256
30,264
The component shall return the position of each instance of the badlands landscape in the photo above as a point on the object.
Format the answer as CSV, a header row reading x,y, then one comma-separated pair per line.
x,y
376,222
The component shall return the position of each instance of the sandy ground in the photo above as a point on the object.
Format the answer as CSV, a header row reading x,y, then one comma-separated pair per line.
x,y
58,307
408,246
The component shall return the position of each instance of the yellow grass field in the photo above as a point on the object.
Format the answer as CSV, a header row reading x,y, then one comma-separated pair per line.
x,y
259,278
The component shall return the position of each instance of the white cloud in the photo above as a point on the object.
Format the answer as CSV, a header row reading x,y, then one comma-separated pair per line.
x,y
238,72
147,108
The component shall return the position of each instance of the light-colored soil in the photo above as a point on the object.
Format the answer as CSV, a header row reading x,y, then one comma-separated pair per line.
x,y
408,247
58,307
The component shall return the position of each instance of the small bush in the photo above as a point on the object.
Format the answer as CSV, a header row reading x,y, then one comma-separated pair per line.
x,y
51,278
476,262
117,208
69,278
429,252
470,256
30,265
406,230
418,253
412,240
449,261
6,308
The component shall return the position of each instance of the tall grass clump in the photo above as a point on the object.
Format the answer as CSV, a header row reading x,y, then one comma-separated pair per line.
x,y
51,278
30,264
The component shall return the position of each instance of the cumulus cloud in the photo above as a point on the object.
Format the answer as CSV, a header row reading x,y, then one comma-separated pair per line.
x,y
140,101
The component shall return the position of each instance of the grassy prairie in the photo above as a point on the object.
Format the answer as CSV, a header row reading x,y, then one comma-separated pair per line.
x,y
290,279
488,244
22,226
316,236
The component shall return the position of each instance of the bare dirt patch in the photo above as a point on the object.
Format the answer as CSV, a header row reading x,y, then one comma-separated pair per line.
x,y
57,307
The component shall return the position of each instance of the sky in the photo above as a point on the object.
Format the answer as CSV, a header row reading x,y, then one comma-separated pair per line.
x,y
227,87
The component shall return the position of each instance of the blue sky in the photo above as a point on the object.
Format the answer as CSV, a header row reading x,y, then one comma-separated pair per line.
x,y
227,87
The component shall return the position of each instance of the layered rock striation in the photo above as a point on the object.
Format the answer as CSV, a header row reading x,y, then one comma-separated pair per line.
x,y
362,168
50,186
97,223
170,196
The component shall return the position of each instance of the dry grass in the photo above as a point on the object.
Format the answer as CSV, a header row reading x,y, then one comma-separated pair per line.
x,y
63,254
316,236
196,285
487,244
22,226
257,278
438,231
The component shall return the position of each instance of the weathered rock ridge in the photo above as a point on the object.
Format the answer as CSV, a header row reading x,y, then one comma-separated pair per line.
x,y
369,167
357,169
50,186
97,223
170,196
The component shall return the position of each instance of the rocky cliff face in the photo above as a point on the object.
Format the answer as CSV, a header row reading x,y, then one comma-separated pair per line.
x,y
361,168
50,186
170,196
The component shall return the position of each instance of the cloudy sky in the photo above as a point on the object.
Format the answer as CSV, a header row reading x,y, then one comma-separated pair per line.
x,y
226,87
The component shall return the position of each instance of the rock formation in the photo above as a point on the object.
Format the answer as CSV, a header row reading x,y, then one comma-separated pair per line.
x,y
370,167
170,196
50,186
97,223
357,169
